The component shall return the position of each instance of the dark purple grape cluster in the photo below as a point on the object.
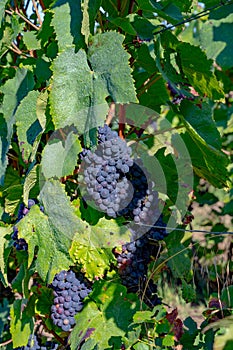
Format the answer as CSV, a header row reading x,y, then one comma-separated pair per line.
x,y
105,172
69,293
35,344
20,243
133,263
121,186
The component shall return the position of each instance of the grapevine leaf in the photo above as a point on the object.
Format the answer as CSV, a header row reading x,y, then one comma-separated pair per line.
x,y
94,261
109,61
30,40
215,37
14,90
201,120
145,60
188,292
93,8
36,229
227,296
111,316
124,23
59,157
4,253
12,190
208,162
85,30
59,210
72,81
168,340
31,183
179,261
142,26
201,77
153,95
170,11
44,300
21,325
28,125
91,246
2,9
67,22
143,316
168,164
41,106
88,214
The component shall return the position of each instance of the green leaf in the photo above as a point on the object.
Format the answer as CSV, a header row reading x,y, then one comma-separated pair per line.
x,y
28,125
179,261
208,162
14,91
31,183
215,36
85,30
200,119
21,325
142,26
67,22
93,8
59,157
227,296
37,230
2,9
42,70
93,260
60,211
143,316
110,316
12,190
109,62
188,292
44,300
31,41
4,253
168,340
200,76
124,23
168,164
72,81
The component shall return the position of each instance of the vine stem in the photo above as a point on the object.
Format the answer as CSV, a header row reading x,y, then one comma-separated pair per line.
x,y
111,113
37,12
6,342
122,121
155,133
148,83
193,17
21,16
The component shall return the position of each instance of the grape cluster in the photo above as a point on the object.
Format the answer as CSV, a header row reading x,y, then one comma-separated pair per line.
x,y
121,186
20,243
35,344
105,172
69,293
133,263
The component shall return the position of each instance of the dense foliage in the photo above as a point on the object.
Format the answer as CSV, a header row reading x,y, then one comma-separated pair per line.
x,y
115,141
